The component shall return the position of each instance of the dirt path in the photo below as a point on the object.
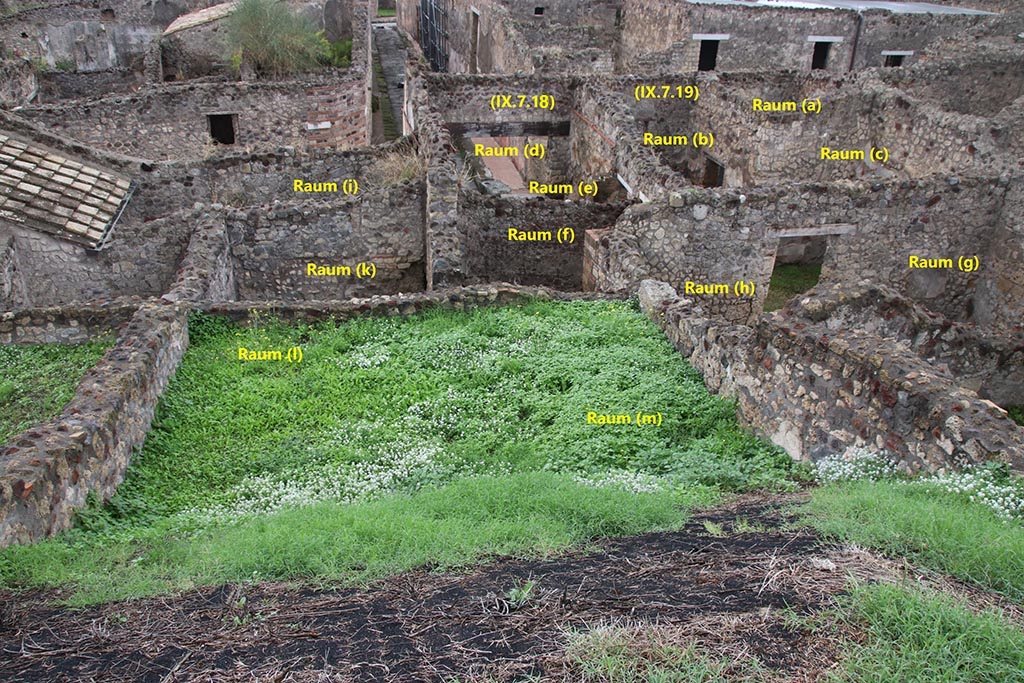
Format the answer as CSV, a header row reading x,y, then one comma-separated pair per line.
x,y
724,582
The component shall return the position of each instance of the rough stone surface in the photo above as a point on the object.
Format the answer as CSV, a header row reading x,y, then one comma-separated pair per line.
x,y
816,390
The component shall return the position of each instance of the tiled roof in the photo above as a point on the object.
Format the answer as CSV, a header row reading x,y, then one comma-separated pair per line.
x,y
200,17
48,192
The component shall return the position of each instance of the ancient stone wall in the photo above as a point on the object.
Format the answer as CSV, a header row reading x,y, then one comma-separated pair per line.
x,y
12,285
171,122
207,271
313,249
605,139
514,239
81,37
49,470
993,367
817,391
56,86
445,265
66,324
242,178
658,35
873,230
762,147
140,260
998,303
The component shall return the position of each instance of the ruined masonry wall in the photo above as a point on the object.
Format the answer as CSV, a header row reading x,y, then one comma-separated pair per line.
x,y
66,324
491,256
816,392
710,236
49,470
46,472
169,122
12,286
272,246
140,261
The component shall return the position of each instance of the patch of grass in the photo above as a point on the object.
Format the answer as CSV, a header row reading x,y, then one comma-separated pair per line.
x,y
455,525
788,281
649,654
381,12
936,529
913,637
1016,414
37,381
243,454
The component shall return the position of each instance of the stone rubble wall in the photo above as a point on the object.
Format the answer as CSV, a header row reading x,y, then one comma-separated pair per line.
x,y
816,391
992,366
464,298
445,266
998,303
722,236
492,257
759,148
272,245
140,261
657,36
12,284
58,86
66,324
165,122
206,272
48,471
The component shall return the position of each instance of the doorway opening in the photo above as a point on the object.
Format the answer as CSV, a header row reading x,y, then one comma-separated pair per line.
x,y
708,55
714,173
797,269
819,60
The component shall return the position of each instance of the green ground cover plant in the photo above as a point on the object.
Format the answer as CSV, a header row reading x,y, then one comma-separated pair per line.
x,y
1016,414
916,637
650,654
965,524
788,281
398,442
37,381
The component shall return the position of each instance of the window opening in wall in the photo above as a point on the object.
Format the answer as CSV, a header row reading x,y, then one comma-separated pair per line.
x,y
618,17
894,60
714,173
474,45
538,11
820,58
797,269
222,128
708,55
107,14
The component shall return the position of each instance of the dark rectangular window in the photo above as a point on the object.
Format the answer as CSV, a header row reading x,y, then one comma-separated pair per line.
x,y
222,128
894,60
538,11
708,55
820,58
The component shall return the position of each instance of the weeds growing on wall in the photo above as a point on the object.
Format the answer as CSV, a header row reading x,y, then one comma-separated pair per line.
x,y
401,441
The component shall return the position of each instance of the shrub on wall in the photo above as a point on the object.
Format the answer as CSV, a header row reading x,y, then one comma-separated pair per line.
x,y
271,40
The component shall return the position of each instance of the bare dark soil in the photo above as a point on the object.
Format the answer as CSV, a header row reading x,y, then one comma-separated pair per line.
x,y
726,580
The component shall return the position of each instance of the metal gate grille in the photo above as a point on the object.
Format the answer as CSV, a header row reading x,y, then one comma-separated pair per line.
x,y
434,33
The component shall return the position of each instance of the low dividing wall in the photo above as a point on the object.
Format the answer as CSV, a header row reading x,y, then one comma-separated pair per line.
x,y
66,325
816,391
48,471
